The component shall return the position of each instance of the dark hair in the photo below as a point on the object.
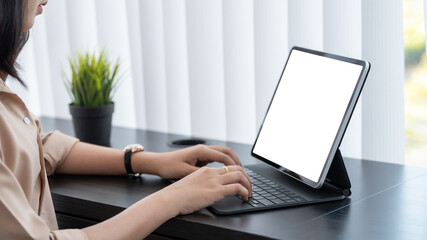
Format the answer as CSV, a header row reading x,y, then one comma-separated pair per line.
x,y
12,36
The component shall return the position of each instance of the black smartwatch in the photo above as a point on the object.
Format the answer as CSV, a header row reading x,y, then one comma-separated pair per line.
x,y
128,153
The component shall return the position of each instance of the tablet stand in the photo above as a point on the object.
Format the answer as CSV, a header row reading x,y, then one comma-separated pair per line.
x,y
337,178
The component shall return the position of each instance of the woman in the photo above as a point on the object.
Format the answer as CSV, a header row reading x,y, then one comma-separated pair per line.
x,y
27,156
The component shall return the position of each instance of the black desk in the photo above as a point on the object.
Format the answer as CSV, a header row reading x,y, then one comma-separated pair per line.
x,y
389,201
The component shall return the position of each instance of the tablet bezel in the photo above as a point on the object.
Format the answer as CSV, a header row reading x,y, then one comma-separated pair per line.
x,y
343,125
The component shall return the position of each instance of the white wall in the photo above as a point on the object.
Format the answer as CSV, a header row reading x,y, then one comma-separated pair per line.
x,y
209,68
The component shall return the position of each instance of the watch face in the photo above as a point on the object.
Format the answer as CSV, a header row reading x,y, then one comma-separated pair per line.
x,y
135,147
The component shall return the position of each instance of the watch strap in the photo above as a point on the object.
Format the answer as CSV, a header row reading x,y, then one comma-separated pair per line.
x,y
128,165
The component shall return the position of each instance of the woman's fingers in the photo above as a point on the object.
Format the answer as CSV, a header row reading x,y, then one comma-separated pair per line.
x,y
227,151
235,174
237,177
217,154
235,188
234,168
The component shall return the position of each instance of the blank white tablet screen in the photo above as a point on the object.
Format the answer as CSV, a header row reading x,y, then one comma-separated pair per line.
x,y
306,112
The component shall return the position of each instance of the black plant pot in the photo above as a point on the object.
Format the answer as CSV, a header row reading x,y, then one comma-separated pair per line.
x,y
93,124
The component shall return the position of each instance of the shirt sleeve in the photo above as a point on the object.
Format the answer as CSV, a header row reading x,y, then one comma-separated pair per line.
x,y
56,147
18,220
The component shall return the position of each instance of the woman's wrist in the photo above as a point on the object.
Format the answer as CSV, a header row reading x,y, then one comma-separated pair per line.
x,y
145,163
169,201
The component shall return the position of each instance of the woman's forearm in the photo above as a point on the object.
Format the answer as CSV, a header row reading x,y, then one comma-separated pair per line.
x,y
137,221
85,158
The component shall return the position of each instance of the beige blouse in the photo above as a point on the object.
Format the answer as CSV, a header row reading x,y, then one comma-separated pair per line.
x,y
26,157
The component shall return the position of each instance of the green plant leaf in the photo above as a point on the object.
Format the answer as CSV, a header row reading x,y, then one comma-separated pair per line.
x,y
93,79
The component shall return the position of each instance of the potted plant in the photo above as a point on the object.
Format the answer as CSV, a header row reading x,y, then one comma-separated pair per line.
x,y
91,87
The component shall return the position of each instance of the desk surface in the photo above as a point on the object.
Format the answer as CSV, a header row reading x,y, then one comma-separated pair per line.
x,y
389,201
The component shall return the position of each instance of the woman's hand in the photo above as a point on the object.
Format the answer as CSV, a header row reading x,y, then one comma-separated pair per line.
x,y
198,190
205,187
179,164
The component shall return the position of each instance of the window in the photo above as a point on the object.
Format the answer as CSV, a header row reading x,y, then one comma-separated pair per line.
x,y
415,83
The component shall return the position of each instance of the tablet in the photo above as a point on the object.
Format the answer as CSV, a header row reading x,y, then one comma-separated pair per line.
x,y
309,113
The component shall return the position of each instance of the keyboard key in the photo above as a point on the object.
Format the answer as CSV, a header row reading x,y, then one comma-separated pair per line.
x,y
256,205
281,196
258,197
278,201
266,202
275,193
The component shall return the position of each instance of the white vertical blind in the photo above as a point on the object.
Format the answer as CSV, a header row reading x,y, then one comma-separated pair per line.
x,y
383,116
136,72
271,50
151,19
82,25
239,70
58,48
306,24
37,70
209,68
342,34
176,57
206,68
113,36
